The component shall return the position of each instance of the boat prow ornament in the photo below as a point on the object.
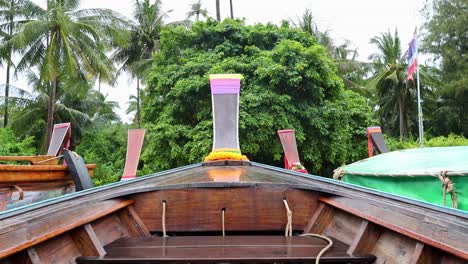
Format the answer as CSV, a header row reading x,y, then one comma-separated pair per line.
x,y
225,90
291,155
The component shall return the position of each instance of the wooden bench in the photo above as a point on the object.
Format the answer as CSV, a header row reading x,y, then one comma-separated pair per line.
x,y
230,249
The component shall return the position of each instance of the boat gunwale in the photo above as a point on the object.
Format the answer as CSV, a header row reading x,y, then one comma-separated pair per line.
x,y
304,185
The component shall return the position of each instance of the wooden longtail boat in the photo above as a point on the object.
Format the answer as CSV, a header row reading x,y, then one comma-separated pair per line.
x,y
33,181
124,222
230,210
42,177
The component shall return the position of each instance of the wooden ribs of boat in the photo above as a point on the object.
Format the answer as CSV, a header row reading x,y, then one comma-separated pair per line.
x,y
124,222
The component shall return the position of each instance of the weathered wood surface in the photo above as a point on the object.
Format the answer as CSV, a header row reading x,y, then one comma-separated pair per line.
x,y
133,222
17,174
14,238
39,186
252,208
42,159
451,236
219,249
366,237
320,219
342,226
87,241
109,229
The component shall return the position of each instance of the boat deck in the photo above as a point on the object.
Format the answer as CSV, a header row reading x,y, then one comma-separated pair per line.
x,y
231,249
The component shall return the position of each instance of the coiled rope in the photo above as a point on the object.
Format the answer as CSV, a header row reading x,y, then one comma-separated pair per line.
x,y
288,233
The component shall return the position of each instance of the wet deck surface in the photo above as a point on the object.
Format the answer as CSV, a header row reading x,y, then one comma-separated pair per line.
x,y
223,249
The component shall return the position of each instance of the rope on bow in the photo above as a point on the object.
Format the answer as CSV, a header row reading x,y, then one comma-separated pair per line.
x,y
448,186
163,221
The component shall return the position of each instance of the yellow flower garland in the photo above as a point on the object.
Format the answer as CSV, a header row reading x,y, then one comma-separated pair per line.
x,y
225,155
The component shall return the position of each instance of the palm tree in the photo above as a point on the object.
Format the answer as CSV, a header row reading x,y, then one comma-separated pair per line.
x,y
389,79
144,40
132,105
197,11
13,13
75,102
68,42
307,24
218,11
349,68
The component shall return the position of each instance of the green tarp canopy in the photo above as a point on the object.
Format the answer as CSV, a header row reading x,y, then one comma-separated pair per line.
x,y
415,173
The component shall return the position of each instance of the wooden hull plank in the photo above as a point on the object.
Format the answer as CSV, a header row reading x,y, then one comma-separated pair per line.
x,y
448,237
30,235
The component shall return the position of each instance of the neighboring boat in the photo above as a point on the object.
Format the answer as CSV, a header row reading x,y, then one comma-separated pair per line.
x,y
437,175
42,177
20,184
231,210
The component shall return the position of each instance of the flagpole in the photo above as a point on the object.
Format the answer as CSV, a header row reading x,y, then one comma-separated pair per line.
x,y
420,115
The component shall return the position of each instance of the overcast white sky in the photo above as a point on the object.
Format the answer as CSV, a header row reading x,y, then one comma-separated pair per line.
x,y
354,20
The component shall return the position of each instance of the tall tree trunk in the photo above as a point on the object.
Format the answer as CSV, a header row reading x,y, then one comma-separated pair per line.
x,y
99,83
51,110
232,12
138,103
7,91
7,86
403,122
218,12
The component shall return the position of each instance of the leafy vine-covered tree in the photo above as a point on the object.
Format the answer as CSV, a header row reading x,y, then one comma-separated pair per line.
x,y
446,37
290,82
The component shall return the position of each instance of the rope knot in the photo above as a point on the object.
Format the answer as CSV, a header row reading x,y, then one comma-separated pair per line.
x,y
448,186
338,174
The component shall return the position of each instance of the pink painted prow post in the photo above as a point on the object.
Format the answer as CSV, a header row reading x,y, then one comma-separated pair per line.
x,y
134,145
291,155
60,139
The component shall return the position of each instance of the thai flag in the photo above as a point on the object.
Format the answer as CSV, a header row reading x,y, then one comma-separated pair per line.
x,y
413,55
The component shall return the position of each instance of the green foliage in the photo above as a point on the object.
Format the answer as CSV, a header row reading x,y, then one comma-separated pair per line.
x,y
10,145
66,46
79,104
289,82
446,37
394,95
450,140
105,147
144,34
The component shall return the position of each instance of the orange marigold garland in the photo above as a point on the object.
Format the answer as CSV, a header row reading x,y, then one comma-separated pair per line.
x,y
225,154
